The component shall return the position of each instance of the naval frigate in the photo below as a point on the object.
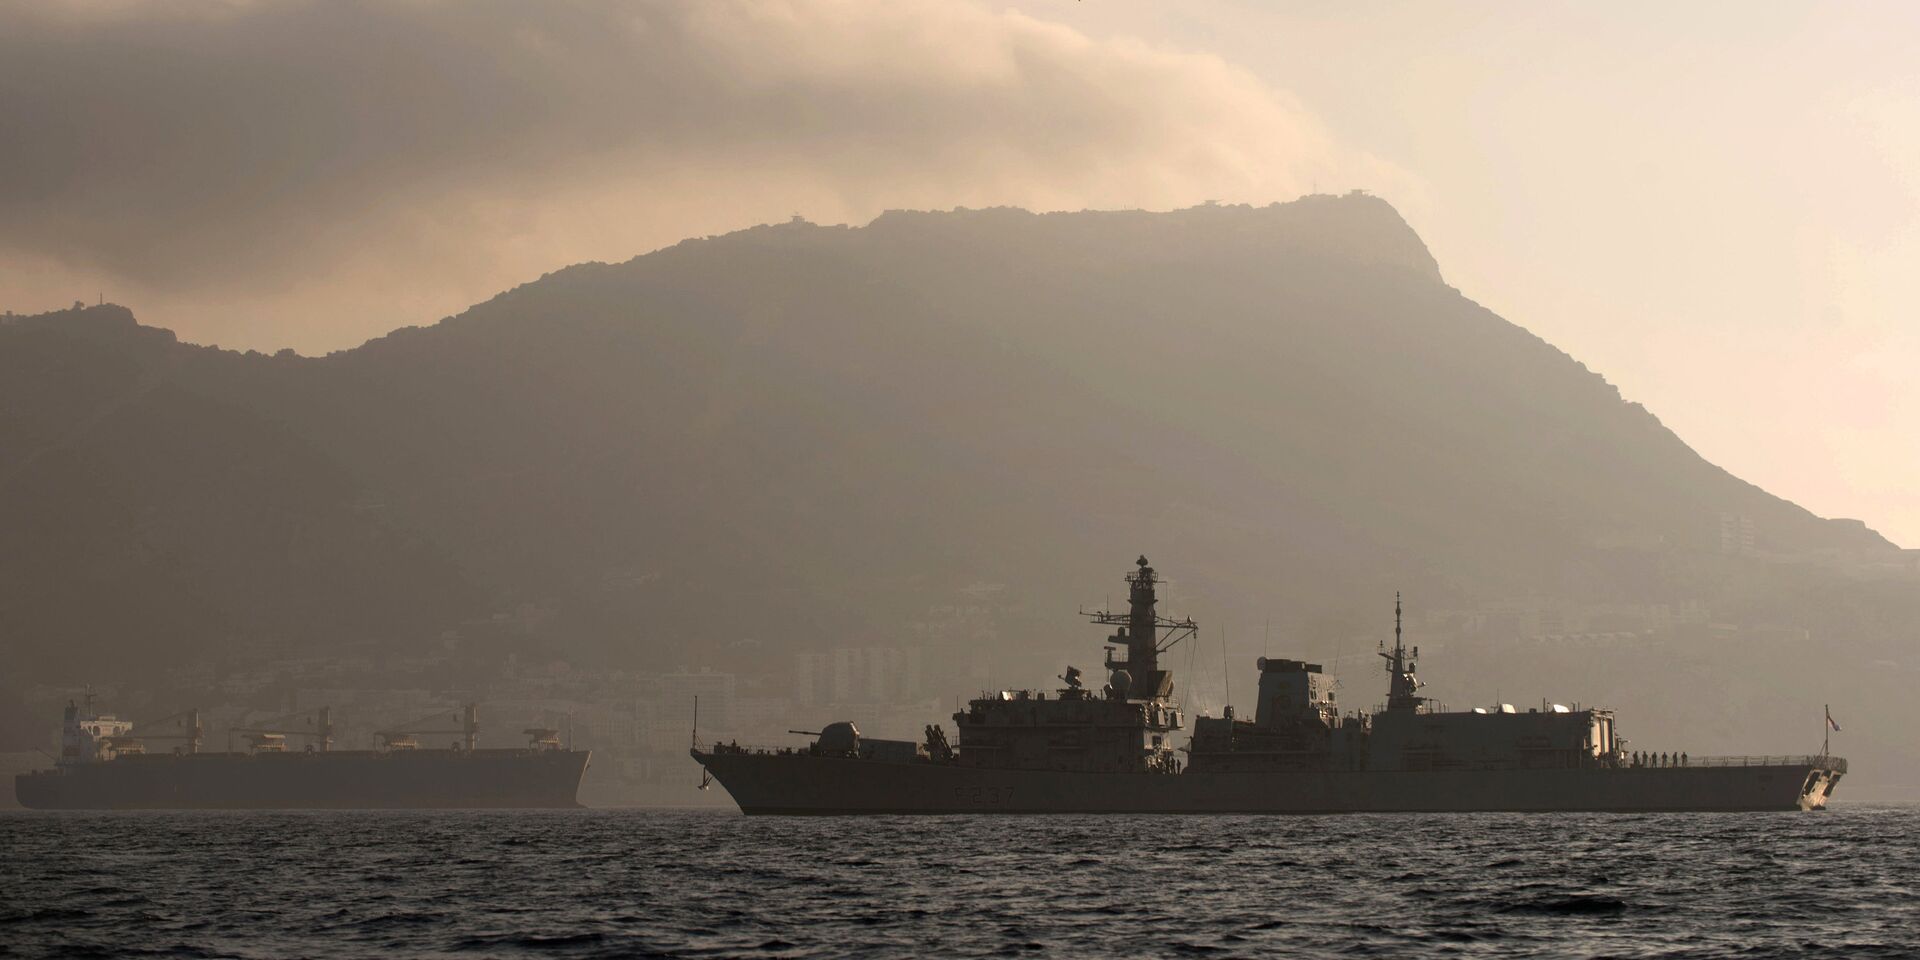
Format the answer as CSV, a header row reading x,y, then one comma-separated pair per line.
x,y
1113,750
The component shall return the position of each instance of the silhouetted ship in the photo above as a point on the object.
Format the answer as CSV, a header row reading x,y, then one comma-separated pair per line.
x,y
104,765
1112,751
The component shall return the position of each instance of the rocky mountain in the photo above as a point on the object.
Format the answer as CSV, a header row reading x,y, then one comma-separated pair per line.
x,y
793,435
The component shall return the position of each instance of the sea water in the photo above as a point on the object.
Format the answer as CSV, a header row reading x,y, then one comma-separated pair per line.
x,y
622,883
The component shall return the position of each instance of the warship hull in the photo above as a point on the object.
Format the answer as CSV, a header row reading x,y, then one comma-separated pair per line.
x,y
804,784
1111,750
341,779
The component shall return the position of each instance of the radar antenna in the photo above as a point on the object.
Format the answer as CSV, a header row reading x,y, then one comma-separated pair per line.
x,y
1402,688
1145,633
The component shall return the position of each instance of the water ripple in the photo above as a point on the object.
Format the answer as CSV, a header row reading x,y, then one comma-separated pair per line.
x,y
702,884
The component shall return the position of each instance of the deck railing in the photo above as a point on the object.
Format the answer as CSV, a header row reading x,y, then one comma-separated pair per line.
x,y
1810,760
1836,764
731,747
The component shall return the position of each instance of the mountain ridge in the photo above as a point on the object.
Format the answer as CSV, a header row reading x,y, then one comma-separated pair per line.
x,y
904,402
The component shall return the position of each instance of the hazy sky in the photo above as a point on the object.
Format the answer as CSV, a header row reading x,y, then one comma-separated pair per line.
x,y
1715,205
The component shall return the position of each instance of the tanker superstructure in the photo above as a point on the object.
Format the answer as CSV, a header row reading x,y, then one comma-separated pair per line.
x,y
1112,751
104,764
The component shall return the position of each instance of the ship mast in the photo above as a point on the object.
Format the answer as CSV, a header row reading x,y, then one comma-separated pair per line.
x,y
1146,634
1403,686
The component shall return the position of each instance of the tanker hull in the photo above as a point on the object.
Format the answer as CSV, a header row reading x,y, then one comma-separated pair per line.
x,y
341,779
803,784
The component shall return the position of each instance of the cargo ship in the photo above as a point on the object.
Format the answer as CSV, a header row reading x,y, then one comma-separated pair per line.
x,y
104,764
1113,750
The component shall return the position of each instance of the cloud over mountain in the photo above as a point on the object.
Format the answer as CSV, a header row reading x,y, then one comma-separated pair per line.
x,y
329,163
